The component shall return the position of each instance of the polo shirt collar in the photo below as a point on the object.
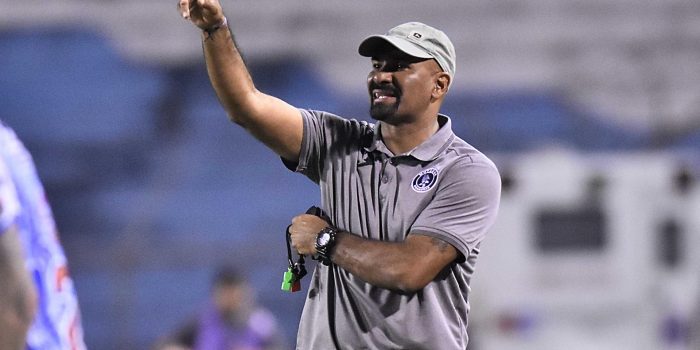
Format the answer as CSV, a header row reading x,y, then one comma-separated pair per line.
x,y
426,151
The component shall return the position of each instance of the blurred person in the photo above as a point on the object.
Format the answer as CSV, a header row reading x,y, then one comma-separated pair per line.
x,y
231,320
17,294
407,201
38,304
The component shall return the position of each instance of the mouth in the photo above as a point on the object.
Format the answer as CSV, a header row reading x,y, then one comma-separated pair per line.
x,y
383,96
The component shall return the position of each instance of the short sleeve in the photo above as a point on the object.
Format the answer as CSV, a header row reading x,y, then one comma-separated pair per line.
x,y
464,207
9,203
325,134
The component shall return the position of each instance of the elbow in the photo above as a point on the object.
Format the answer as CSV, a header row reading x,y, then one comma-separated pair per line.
x,y
410,287
235,118
237,114
405,277
409,282
242,109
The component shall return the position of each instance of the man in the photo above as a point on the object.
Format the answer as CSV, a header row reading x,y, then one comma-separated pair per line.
x,y
408,201
231,320
30,252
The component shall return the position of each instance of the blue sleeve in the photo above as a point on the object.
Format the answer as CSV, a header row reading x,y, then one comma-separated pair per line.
x,y
9,203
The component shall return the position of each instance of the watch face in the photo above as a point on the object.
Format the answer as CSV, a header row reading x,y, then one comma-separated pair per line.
x,y
324,238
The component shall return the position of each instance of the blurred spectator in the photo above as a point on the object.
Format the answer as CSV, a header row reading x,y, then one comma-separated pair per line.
x,y
17,295
44,314
230,321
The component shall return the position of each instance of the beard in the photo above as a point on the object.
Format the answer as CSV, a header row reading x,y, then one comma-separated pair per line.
x,y
382,111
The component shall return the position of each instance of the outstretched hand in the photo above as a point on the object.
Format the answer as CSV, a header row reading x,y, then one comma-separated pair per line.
x,y
204,14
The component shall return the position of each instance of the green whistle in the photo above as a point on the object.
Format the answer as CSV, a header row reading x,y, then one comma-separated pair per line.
x,y
288,280
290,283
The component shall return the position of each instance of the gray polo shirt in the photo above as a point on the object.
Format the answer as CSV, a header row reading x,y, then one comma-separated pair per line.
x,y
443,188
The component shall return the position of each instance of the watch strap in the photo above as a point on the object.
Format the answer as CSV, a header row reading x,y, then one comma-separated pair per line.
x,y
323,251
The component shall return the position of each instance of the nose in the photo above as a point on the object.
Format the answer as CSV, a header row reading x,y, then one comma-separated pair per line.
x,y
380,77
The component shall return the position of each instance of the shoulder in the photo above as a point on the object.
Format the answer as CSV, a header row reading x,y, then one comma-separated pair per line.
x,y
334,120
469,174
466,158
335,126
13,151
8,139
9,203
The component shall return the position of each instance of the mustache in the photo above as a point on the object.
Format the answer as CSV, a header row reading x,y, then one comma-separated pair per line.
x,y
386,87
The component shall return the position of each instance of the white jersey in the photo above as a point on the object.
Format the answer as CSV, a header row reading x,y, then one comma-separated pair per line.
x,y
23,203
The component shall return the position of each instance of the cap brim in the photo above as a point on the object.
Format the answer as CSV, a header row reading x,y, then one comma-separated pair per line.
x,y
377,44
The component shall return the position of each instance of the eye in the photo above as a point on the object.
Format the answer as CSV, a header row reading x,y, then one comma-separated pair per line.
x,y
376,65
402,65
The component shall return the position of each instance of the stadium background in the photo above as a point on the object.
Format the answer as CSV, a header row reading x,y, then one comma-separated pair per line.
x,y
152,187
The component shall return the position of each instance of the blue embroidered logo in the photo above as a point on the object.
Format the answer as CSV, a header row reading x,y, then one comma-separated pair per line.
x,y
425,180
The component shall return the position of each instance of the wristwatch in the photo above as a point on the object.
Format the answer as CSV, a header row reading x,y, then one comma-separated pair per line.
x,y
325,240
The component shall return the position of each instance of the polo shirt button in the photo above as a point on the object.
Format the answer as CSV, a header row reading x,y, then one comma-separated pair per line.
x,y
385,179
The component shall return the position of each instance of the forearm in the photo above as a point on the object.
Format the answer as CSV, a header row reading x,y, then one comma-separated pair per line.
x,y
405,266
227,71
228,74
269,119
381,264
17,296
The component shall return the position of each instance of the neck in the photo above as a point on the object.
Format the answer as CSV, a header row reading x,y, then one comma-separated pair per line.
x,y
401,138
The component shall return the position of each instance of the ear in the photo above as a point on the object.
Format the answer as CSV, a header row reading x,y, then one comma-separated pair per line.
x,y
442,85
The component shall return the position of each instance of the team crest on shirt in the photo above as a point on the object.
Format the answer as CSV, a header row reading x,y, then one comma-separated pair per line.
x,y
425,180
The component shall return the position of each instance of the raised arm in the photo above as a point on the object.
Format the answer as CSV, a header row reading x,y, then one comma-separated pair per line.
x,y
271,120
